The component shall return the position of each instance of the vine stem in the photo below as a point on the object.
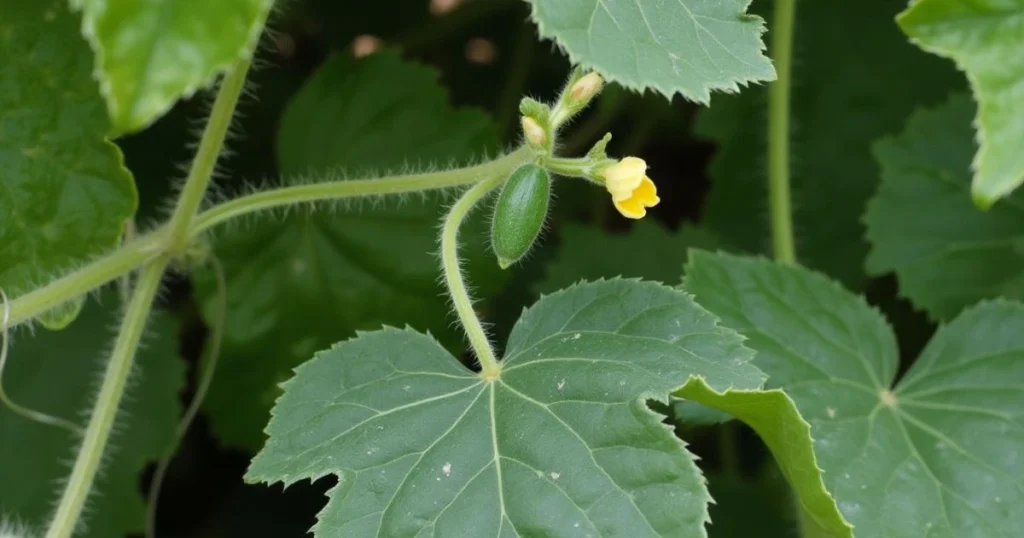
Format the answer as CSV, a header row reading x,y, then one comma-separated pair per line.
x,y
206,379
489,367
778,132
105,409
783,243
120,262
210,146
146,248
336,190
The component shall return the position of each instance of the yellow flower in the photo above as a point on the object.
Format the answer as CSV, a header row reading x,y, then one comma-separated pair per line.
x,y
632,191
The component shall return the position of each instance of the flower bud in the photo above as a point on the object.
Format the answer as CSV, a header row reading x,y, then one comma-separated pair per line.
x,y
534,133
586,88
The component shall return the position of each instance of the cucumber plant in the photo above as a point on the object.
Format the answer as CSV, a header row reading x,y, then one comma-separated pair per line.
x,y
831,345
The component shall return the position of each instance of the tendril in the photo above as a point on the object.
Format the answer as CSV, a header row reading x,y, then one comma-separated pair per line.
x,y
26,412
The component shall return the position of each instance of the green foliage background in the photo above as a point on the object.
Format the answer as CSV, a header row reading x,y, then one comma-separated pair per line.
x,y
883,185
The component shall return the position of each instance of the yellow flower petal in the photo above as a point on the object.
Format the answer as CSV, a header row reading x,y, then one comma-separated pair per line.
x,y
631,208
623,177
647,193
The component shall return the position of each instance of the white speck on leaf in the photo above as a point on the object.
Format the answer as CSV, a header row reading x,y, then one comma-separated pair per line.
x,y
554,475
831,412
576,336
561,384
447,469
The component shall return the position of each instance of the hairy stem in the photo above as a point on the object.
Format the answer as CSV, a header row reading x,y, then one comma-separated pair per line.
x,y
137,252
206,379
778,132
119,262
336,190
205,160
489,367
104,411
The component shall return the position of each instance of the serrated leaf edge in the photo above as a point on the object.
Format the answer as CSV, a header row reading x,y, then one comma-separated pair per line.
x,y
983,197
699,383
130,123
704,98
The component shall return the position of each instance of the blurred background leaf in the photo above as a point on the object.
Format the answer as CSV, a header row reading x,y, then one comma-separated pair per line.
x,y
65,194
923,225
58,374
855,79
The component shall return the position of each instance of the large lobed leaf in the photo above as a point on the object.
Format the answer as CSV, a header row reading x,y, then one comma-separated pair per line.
x,y
922,224
985,38
936,454
560,444
855,79
301,282
149,54
690,47
65,194
56,373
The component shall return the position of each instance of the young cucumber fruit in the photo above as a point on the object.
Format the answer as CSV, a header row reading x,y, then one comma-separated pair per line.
x,y
519,213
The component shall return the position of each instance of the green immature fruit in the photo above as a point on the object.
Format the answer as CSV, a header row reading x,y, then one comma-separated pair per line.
x,y
520,212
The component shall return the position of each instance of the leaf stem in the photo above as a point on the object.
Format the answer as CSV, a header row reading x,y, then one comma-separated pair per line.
x,y
146,248
778,132
206,379
119,262
210,146
176,234
335,190
105,409
489,367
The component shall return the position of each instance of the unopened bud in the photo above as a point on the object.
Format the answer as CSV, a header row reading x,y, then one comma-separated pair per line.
x,y
586,88
534,133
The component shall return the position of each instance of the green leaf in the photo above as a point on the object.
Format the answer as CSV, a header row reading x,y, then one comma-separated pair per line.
x,y
302,282
856,79
774,416
647,250
561,444
56,373
688,47
938,454
65,194
984,38
922,224
149,54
